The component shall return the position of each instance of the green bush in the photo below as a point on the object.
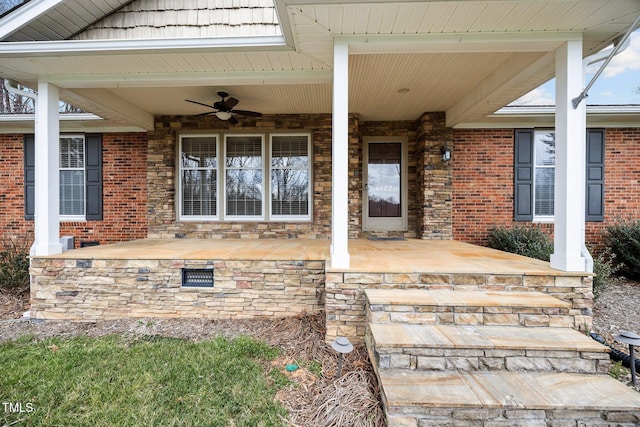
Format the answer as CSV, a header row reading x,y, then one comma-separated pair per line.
x,y
14,263
624,240
604,268
522,240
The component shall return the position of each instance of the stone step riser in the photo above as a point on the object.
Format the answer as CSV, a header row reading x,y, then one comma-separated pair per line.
x,y
491,360
487,417
447,315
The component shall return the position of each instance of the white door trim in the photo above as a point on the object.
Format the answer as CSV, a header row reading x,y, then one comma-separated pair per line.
x,y
386,224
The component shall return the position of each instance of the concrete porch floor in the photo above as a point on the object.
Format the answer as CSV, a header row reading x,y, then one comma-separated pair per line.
x,y
406,256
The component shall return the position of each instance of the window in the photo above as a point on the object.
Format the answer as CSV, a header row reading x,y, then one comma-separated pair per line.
x,y
80,172
72,163
290,176
199,178
534,175
254,178
244,177
544,175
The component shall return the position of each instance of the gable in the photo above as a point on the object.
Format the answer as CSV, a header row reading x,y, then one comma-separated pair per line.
x,y
155,19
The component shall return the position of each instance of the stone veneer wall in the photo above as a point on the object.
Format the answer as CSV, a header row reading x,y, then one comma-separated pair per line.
x,y
345,299
429,204
434,177
161,179
84,289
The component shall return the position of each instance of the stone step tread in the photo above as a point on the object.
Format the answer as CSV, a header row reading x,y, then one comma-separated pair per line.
x,y
439,297
501,389
394,335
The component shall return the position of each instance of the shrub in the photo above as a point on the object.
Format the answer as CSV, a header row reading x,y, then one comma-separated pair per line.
x,y
624,240
522,240
14,263
604,268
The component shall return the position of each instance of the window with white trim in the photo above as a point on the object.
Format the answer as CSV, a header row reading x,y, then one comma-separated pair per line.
x,y
72,177
290,176
244,170
544,175
199,176
245,177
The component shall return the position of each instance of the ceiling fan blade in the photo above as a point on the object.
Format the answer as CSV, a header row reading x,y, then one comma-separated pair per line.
x,y
199,103
230,103
204,114
233,120
248,113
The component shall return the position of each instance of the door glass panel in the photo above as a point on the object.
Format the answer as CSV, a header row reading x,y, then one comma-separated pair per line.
x,y
384,179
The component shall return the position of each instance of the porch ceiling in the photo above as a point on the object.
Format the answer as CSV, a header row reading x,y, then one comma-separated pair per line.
x,y
468,58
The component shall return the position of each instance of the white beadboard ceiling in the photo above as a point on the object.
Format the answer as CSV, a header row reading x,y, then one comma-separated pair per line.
x,y
466,57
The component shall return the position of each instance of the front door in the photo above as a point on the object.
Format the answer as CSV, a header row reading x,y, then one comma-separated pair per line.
x,y
385,184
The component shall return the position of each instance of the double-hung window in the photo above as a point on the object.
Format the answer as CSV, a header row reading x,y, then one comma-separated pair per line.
x,y
534,175
245,177
544,175
290,176
72,177
80,176
199,176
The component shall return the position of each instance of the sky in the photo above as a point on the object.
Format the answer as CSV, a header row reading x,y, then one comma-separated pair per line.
x,y
619,84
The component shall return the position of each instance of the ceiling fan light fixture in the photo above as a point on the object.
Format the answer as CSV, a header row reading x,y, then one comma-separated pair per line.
x,y
223,115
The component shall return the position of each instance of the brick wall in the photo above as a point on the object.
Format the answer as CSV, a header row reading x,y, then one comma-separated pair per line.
x,y
483,182
12,220
124,190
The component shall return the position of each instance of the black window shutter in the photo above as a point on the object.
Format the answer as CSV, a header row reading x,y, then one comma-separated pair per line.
x,y
523,175
595,175
29,176
93,176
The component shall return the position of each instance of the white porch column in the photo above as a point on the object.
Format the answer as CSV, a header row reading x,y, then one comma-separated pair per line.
x,y
47,175
340,159
569,228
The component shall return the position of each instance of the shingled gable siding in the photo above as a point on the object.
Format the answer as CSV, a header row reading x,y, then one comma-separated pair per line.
x,y
187,19
483,182
124,190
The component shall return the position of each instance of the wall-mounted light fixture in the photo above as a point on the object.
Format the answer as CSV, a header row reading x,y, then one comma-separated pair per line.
x,y
446,153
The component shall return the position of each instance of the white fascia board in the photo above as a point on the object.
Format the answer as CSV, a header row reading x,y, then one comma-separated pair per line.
x,y
105,47
528,110
454,42
25,14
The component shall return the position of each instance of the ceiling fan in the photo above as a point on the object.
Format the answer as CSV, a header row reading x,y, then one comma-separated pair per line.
x,y
224,108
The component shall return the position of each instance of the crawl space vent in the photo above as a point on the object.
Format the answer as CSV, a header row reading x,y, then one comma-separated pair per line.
x,y
198,277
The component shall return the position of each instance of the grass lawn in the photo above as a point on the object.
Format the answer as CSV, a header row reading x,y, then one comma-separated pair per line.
x,y
151,381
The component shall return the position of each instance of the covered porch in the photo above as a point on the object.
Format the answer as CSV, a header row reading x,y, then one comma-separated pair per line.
x,y
275,277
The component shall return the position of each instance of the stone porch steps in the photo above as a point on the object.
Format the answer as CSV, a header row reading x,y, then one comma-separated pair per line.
x,y
472,358
499,398
442,307
511,348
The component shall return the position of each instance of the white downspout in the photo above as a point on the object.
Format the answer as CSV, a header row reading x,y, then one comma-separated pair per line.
x,y
12,87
